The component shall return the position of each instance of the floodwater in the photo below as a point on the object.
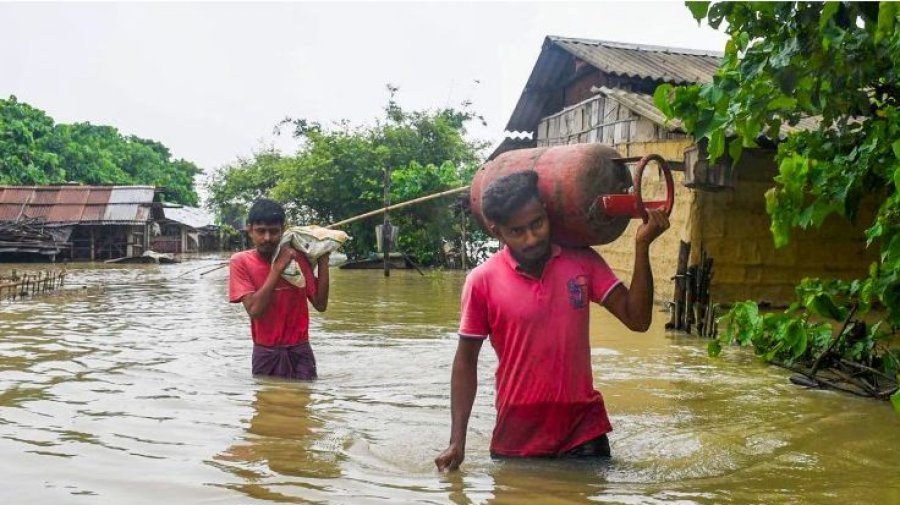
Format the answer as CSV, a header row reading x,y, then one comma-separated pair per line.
x,y
136,389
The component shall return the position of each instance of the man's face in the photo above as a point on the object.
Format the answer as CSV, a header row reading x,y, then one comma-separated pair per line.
x,y
265,237
527,233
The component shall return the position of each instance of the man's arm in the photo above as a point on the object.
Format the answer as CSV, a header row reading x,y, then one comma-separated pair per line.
x,y
463,386
634,306
257,303
319,299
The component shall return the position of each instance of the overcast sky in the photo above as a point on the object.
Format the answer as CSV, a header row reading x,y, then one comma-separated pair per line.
x,y
210,80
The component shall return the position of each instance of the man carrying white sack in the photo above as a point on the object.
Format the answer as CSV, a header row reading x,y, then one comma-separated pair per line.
x,y
274,280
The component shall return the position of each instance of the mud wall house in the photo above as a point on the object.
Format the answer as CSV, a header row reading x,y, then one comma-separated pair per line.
x,y
87,222
185,230
584,91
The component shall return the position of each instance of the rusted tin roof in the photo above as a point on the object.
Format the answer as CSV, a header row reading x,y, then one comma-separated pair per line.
x,y
77,204
648,65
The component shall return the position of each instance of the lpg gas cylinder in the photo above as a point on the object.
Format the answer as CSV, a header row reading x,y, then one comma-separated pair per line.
x,y
588,190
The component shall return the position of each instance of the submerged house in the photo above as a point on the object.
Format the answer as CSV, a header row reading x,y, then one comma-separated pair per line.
x,y
77,222
584,91
185,230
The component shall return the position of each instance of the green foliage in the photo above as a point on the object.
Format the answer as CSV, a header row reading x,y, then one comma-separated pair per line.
x,y
35,151
834,65
338,172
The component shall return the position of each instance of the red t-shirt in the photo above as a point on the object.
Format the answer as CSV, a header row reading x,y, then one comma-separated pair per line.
x,y
286,322
546,402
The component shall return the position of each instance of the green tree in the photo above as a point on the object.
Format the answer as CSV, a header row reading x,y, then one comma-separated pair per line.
x,y
25,133
838,63
34,150
338,172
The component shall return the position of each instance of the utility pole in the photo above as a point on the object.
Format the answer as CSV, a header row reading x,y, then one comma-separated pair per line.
x,y
386,234
462,216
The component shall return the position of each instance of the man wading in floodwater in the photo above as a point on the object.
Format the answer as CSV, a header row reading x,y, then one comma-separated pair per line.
x,y
279,316
532,300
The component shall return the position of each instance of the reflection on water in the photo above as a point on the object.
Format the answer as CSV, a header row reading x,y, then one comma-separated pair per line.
x,y
137,390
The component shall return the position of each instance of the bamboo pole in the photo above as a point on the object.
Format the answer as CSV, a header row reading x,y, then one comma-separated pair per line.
x,y
398,206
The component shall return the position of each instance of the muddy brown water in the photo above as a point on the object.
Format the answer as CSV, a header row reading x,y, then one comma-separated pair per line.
x,y
136,389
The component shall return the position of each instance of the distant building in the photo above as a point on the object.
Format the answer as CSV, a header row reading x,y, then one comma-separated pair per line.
x,y
185,230
77,222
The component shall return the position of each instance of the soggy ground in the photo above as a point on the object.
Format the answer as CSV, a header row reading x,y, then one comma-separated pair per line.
x,y
137,390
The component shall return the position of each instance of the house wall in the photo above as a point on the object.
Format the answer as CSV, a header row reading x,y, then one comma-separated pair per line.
x,y
664,251
733,227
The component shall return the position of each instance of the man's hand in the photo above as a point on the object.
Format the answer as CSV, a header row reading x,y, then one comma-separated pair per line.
x,y
451,458
657,223
285,256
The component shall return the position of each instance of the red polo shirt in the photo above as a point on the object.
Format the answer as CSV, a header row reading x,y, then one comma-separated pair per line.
x,y
286,322
546,402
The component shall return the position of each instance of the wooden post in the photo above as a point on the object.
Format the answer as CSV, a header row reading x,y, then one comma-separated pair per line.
x,y
92,243
691,297
462,252
678,314
386,224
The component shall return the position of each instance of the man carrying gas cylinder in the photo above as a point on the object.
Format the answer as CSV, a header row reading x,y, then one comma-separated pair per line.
x,y
532,300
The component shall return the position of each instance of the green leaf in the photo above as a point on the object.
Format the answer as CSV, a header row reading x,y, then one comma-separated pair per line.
x,y
716,144
874,232
896,147
895,401
698,9
828,11
887,18
824,306
782,102
714,348
735,149
661,99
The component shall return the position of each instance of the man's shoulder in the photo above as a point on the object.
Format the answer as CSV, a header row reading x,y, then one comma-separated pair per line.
x,y
243,257
491,266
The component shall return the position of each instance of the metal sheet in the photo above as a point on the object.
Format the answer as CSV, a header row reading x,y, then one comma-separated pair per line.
x,y
131,194
9,211
17,195
121,212
93,213
65,213
189,216
99,195
73,195
44,196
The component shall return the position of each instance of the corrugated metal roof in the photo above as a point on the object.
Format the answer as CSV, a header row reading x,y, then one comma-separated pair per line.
x,y
16,194
99,195
131,194
555,65
121,212
77,204
664,64
9,211
65,212
189,216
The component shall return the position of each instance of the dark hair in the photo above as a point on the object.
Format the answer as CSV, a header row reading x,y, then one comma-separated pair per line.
x,y
506,195
265,211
